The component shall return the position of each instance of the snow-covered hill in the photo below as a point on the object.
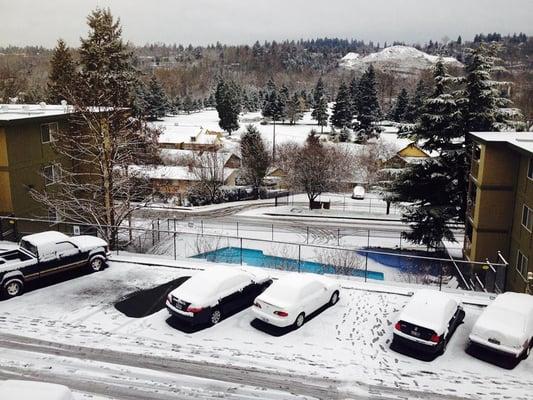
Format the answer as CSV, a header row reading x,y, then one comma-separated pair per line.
x,y
399,59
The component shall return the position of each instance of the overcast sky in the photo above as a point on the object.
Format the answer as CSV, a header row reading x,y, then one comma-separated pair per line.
x,y
41,22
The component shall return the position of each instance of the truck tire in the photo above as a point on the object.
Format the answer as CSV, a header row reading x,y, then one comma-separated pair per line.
x,y
96,263
12,287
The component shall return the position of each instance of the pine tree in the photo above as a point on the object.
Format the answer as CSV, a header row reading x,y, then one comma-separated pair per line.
x,y
255,158
399,112
155,99
320,105
62,76
284,97
188,104
368,109
228,106
486,109
436,187
414,108
342,116
295,109
354,95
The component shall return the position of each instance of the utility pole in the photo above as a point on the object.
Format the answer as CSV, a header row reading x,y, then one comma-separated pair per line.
x,y
274,143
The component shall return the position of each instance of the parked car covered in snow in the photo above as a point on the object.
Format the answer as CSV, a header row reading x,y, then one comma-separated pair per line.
x,y
358,192
210,295
428,321
22,390
46,253
289,300
506,325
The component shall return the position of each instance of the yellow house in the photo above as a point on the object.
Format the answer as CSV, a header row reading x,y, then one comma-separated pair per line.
x,y
411,153
500,203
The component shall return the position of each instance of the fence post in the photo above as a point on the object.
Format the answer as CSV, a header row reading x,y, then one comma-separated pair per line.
x,y
158,231
370,206
241,251
272,232
440,276
175,245
307,237
116,241
366,265
299,257
202,224
338,237
368,239
400,241
237,228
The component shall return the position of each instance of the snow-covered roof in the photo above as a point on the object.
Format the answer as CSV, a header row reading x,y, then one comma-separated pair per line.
x,y
429,309
170,172
519,140
29,390
38,239
13,112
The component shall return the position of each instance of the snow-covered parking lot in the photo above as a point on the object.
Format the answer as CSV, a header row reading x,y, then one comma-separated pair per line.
x,y
342,353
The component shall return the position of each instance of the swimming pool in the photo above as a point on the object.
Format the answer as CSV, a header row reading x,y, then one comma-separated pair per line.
x,y
257,258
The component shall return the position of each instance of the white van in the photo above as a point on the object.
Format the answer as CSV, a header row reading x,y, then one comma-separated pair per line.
x,y
506,325
358,192
29,390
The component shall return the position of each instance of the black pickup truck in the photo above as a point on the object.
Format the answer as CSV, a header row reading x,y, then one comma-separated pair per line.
x,y
46,253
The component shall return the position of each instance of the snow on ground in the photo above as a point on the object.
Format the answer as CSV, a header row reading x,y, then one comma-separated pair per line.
x,y
348,342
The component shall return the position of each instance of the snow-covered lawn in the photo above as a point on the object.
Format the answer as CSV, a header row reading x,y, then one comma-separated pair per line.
x,y
348,342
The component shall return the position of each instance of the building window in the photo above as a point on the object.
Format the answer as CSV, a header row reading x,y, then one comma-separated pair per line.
x,y
521,263
527,218
52,174
53,215
48,131
530,169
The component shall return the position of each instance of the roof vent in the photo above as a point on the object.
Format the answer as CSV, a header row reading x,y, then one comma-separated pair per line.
x,y
64,103
42,104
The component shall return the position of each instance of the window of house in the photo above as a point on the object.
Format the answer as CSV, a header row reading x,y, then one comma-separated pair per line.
x,y
476,154
527,218
530,169
52,174
521,263
48,131
53,215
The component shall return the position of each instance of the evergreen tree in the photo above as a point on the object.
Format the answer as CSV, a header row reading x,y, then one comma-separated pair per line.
x,y
436,188
295,109
187,104
342,116
400,110
414,108
368,110
354,95
273,105
320,105
486,109
255,158
62,76
228,106
284,98
155,100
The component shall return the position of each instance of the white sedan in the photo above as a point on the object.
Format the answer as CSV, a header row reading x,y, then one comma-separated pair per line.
x,y
22,390
506,325
289,300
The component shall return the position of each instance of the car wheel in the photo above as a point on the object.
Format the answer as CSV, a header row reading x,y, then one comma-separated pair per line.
x,y
444,345
13,288
334,298
216,316
300,319
96,264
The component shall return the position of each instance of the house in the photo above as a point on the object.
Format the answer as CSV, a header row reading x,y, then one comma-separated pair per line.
x,y
409,154
27,160
500,203
185,137
175,181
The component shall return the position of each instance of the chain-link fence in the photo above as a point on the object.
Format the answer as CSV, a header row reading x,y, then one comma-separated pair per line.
x,y
367,259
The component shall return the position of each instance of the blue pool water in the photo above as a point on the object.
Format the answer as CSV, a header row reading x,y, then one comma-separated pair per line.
x,y
404,263
256,258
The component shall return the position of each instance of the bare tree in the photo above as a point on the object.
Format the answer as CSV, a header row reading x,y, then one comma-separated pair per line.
x,y
209,172
317,168
339,261
369,159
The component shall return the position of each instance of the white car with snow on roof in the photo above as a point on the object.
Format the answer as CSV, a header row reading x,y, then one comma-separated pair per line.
x,y
506,325
428,321
214,293
292,298
22,390
47,253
